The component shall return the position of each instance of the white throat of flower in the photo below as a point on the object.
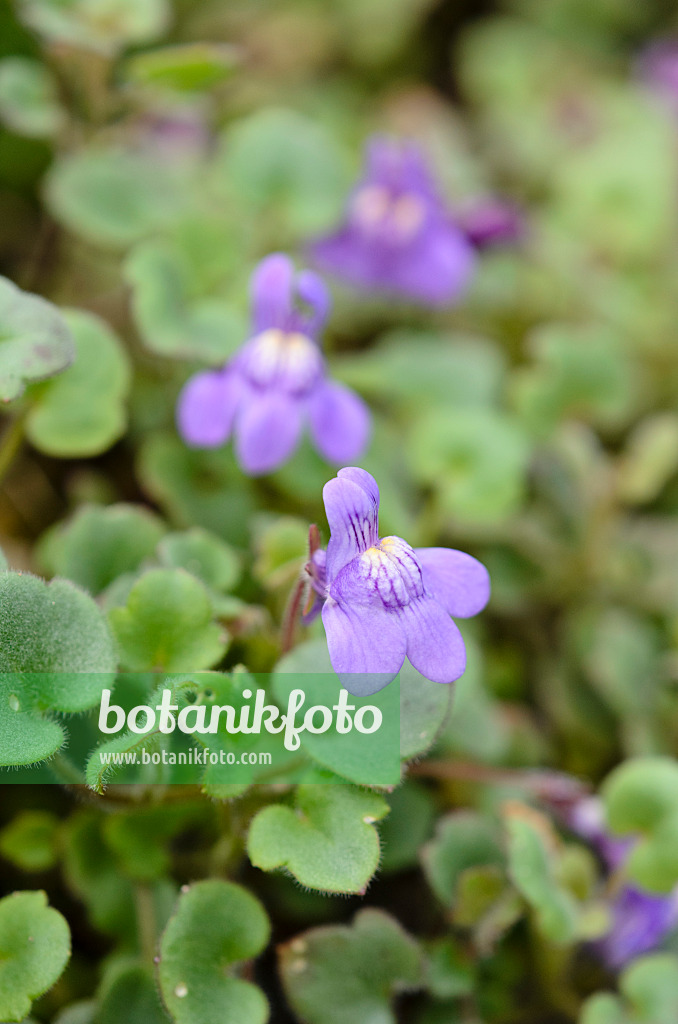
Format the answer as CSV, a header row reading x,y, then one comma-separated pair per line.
x,y
377,210
290,359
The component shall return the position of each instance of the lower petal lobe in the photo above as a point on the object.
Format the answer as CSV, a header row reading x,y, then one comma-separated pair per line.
x,y
207,406
367,647
434,644
267,431
340,422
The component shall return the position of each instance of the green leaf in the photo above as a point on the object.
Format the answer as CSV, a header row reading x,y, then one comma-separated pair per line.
x,y
641,797
167,624
56,654
475,459
450,972
100,543
620,651
280,162
217,926
650,458
531,865
327,841
202,554
343,974
105,26
618,199
111,197
28,98
35,945
170,323
83,413
281,545
190,67
53,628
580,371
649,995
129,994
194,487
463,839
408,826
366,759
4,564
30,840
415,367
140,838
95,874
91,872
423,708
35,340
82,1012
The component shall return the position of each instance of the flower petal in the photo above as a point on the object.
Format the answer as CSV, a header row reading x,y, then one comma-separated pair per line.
x,y
436,268
312,291
459,582
434,644
267,431
340,422
207,406
640,921
367,647
352,507
271,292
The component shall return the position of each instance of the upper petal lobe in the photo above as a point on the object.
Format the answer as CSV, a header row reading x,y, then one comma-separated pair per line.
x,y
352,507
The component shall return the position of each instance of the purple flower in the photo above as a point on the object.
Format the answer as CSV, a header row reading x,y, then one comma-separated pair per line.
x,y
490,221
276,384
640,920
398,237
383,601
658,69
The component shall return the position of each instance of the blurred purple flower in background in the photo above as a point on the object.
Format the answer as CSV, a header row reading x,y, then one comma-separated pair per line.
x,y
490,221
657,68
277,383
398,237
640,920
383,601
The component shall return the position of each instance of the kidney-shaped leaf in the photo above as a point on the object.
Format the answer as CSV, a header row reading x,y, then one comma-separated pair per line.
x,y
35,340
343,974
327,841
35,944
217,925
83,412
56,654
167,624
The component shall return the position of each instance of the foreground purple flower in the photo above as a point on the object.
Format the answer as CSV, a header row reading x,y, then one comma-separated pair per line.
x,y
383,601
640,920
398,237
277,383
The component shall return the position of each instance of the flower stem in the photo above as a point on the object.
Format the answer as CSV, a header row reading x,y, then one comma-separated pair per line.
x,y
143,898
291,616
550,785
10,444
